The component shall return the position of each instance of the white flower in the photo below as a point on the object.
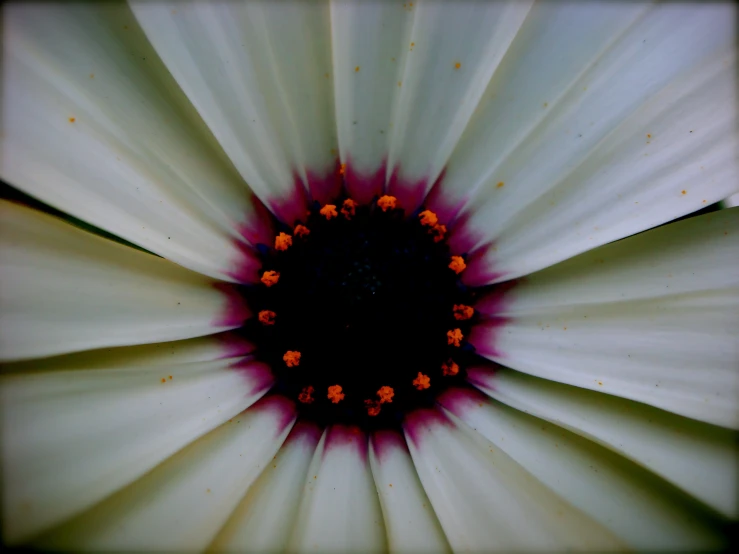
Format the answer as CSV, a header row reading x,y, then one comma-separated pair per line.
x,y
539,133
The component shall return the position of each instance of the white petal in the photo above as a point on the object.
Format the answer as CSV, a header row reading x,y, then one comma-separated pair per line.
x,y
79,427
699,458
653,318
732,201
340,511
639,132
632,503
259,75
65,290
409,518
408,102
94,125
486,501
270,507
183,502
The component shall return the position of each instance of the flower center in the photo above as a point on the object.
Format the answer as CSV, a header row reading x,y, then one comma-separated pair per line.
x,y
361,313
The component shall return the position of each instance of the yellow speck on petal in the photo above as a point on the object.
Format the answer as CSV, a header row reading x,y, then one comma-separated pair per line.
x,y
164,380
412,45
546,104
400,83
457,65
92,75
72,119
684,192
356,69
500,185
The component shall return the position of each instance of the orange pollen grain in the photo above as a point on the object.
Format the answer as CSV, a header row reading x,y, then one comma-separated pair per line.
x,y
356,69
500,185
387,203
270,278
267,317
373,407
283,241
306,395
329,212
385,394
292,358
454,337
348,209
72,119
462,312
334,394
342,169
457,264
449,367
428,218
438,231
301,231
422,381
457,65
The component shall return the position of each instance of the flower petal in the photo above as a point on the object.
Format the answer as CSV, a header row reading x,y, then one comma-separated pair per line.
x,y
407,81
95,126
79,427
699,458
66,290
270,507
340,511
409,519
485,500
640,131
183,502
259,75
632,503
653,318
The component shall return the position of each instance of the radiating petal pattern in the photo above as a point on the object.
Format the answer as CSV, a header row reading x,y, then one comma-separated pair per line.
x,y
195,490
653,318
410,522
339,511
94,125
636,131
635,505
65,290
486,501
262,519
408,78
699,458
259,73
76,428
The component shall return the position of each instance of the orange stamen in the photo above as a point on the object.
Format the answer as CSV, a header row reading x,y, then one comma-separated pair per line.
x,y
454,337
449,367
292,358
342,169
428,218
387,203
373,407
329,212
348,209
457,264
301,231
462,312
438,231
306,395
283,241
422,381
385,394
334,394
270,278
267,317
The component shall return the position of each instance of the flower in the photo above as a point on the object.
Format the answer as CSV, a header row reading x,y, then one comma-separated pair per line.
x,y
594,400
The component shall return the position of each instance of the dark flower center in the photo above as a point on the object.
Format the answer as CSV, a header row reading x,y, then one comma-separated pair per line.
x,y
361,313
